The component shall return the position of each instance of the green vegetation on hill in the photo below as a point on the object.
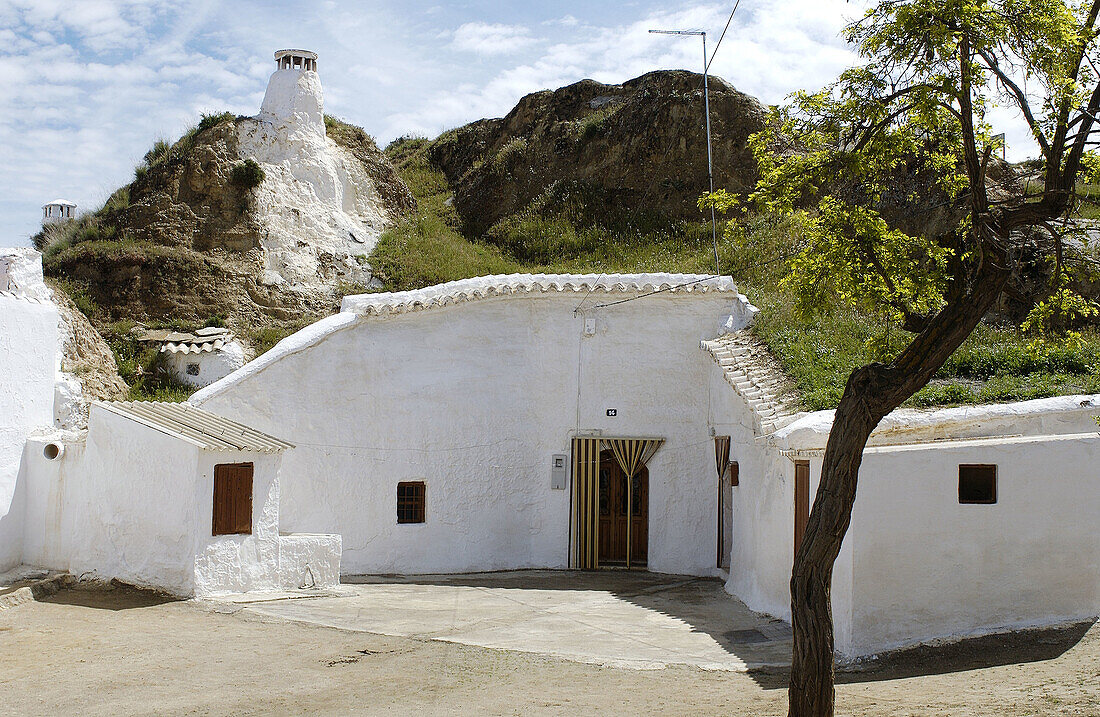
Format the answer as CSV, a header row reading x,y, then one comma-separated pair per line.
x,y
568,230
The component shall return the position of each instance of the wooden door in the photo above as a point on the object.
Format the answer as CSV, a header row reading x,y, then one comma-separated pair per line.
x,y
801,500
614,506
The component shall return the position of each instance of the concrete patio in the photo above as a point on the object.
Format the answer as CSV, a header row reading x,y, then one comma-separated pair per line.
x,y
626,619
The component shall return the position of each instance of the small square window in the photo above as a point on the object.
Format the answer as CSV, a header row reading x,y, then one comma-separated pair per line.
x,y
410,502
978,484
192,369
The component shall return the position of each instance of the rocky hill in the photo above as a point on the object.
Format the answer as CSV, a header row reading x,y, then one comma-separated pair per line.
x,y
255,221
621,150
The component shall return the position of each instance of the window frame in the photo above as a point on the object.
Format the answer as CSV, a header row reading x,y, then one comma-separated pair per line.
x,y
418,502
971,467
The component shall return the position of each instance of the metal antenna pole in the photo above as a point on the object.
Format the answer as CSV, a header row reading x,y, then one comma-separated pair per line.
x,y
710,161
710,157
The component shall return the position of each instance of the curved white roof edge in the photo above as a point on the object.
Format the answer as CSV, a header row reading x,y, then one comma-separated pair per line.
x,y
354,308
311,335
483,287
62,202
812,430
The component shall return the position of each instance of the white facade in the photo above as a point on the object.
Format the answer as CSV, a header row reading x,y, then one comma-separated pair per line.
x,y
472,387
204,368
29,367
917,564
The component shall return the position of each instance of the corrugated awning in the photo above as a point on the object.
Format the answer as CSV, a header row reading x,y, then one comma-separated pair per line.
x,y
194,425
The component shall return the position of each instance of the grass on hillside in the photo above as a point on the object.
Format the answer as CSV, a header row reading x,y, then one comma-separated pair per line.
x,y
993,365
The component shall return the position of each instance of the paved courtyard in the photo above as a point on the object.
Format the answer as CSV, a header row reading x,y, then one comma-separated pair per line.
x,y
617,618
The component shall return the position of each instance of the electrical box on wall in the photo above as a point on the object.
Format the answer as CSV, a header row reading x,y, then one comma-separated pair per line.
x,y
558,474
590,326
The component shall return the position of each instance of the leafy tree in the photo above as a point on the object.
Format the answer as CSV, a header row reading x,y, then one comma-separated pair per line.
x,y
891,174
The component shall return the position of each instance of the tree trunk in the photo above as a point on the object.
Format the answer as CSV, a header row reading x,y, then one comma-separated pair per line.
x,y
871,392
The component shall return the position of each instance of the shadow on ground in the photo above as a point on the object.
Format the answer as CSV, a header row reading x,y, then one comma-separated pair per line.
x,y
108,596
703,604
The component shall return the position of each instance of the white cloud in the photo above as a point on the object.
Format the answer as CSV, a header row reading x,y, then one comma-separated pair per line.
x,y
89,85
484,38
769,52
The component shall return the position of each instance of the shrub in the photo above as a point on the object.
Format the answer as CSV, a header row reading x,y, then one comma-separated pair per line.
x,y
158,153
596,123
511,151
213,120
247,175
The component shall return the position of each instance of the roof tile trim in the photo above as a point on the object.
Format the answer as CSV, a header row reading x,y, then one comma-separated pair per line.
x,y
206,430
748,367
355,309
484,287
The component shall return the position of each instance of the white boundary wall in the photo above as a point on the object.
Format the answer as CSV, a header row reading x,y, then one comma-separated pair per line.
x,y
475,399
916,565
28,345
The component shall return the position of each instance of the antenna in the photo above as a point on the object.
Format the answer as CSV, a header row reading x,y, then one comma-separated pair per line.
x,y
710,160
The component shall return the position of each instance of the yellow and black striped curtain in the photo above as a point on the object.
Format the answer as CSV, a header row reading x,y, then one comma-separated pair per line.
x,y
586,500
632,454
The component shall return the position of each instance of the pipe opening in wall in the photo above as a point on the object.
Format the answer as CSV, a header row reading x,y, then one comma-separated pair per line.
x,y
53,451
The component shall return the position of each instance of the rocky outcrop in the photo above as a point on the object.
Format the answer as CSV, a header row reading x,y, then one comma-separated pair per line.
x,y
196,243
635,147
85,356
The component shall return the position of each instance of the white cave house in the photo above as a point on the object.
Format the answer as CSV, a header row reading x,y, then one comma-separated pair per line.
x,y
556,422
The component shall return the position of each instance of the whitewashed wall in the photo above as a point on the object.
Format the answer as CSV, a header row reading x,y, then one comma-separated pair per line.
x,y
238,563
474,399
54,486
28,341
916,565
927,567
140,505
136,510
213,365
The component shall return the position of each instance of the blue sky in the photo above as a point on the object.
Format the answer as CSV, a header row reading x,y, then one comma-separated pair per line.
x,y
90,84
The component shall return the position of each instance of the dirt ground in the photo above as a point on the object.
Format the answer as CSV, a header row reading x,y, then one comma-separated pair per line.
x,y
125,652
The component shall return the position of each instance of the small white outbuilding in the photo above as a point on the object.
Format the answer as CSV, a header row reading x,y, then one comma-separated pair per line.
x,y
58,210
199,359
168,496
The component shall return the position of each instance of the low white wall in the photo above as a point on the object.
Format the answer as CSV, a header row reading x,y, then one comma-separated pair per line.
x,y
308,560
28,341
927,567
474,399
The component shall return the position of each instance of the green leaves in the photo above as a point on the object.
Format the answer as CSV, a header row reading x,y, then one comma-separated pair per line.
x,y
851,254
885,170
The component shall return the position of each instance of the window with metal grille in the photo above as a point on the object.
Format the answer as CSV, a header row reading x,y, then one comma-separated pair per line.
x,y
232,499
977,484
410,502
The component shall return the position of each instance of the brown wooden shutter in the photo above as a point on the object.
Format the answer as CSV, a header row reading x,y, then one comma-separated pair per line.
x,y
801,500
232,514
